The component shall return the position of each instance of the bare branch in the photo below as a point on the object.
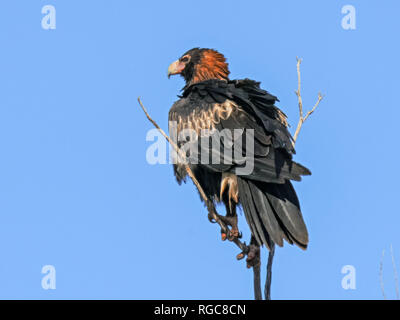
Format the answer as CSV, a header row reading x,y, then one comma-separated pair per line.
x,y
267,287
210,205
396,276
381,275
302,118
298,91
257,282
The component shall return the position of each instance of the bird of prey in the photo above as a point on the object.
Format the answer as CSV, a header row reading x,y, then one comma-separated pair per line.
x,y
211,103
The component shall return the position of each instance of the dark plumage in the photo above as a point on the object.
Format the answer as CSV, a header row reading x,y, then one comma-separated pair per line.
x,y
211,101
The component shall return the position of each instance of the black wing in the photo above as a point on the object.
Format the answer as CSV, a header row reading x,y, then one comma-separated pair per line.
x,y
216,105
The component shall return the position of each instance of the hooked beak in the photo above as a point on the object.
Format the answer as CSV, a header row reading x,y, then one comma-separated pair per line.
x,y
175,67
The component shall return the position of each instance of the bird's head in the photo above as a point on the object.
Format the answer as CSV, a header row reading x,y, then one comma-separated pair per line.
x,y
198,65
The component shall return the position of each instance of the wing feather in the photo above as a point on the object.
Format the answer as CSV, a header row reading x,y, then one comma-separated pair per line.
x,y
220,106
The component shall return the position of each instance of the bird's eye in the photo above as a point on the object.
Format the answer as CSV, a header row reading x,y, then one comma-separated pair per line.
x,y
185,59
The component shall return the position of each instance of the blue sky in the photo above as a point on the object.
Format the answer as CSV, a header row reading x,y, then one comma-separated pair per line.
x,y
77,193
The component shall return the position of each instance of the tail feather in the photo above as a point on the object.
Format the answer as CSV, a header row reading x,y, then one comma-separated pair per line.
x,y
273,212
286,206
266,215
253,220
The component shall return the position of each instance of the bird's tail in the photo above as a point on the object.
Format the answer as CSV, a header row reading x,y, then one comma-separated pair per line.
x,y
273,212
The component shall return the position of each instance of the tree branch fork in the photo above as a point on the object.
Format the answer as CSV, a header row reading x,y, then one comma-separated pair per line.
x,y
303,118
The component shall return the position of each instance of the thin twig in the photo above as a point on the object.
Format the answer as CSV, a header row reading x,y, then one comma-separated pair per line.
x,y
303,118
257,282
396,276
210,205
381,275
267,288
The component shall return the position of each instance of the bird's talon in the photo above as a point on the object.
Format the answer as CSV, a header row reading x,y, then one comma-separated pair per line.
x,y
240,256
253,256
234,233
211,218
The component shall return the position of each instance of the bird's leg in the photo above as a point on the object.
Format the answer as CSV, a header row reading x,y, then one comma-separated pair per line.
x,y
253,256
231,219
229,195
